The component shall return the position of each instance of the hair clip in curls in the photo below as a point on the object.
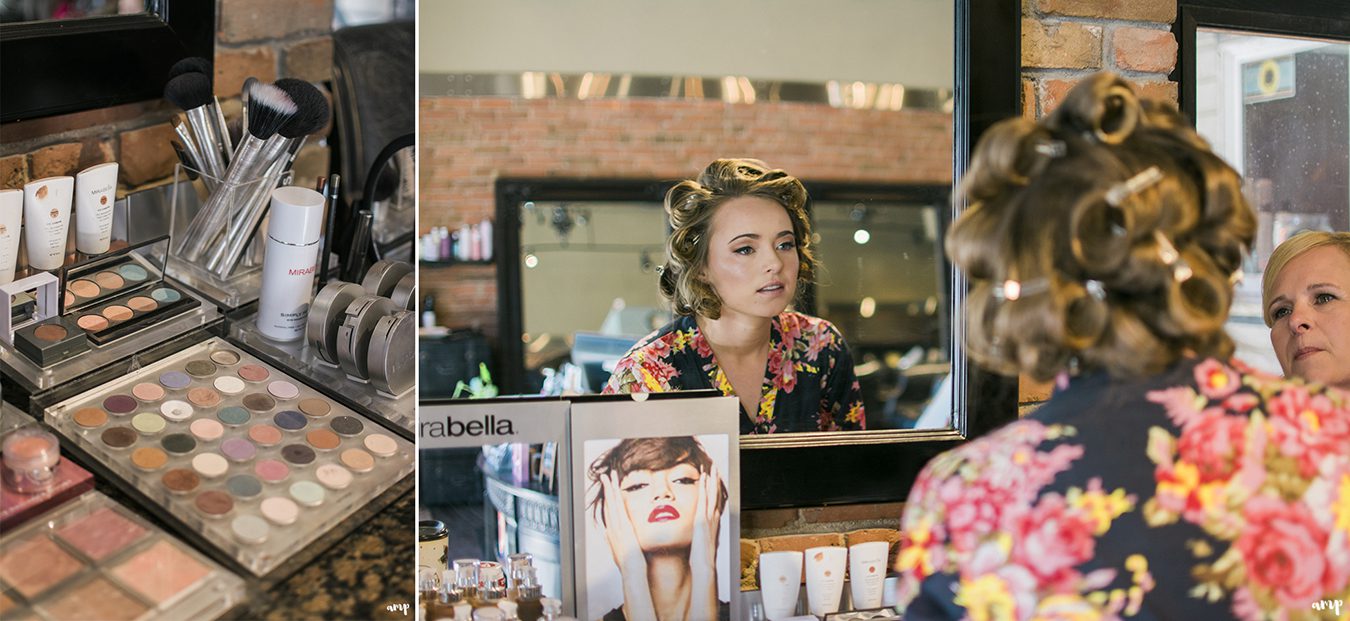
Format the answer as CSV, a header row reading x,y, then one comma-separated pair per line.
x,y
1052,148
1181,271
1236,277
1096,289
1134,185
1013,290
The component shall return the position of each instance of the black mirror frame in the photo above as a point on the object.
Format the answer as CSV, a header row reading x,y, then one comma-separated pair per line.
x,y
846,470
57,66
1323,19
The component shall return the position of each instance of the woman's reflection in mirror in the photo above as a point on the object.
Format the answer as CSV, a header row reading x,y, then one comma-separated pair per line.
x,y
739,251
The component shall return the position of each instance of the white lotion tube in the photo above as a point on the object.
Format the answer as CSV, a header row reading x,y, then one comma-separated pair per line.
x,y
825,579
290,262
95,193
780,583
867,573
46,211
11,219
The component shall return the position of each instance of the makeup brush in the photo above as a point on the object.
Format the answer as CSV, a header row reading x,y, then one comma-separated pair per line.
x,y
243,114
191,64
311,116
191,92
197,64
269,108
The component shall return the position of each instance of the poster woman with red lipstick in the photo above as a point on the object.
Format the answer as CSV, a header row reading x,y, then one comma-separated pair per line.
x,y
658,505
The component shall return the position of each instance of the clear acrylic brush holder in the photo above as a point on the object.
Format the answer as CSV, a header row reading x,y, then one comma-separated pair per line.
x,y
219,228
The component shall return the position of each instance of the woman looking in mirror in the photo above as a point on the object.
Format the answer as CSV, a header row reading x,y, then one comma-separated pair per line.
x,y
739,252
1306,293
1160,480
659,502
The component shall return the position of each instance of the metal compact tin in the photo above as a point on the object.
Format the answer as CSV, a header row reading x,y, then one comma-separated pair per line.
x,y
353,339
383,276
405,292
390,358
325,316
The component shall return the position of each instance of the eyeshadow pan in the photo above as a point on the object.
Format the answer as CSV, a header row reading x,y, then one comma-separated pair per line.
x,y
83,288
307,493
333,476
180,480
161,571
117,313
347,425
250,529
92,323
244,485
178,443
282,389
233,415
200,368
315,407
67,299
145,391
174,409
253,373
149,458
266,435
204,397
229,385
297,454
109,280
210,465
259,402
148,423
34,566
279,510
142,304
358,460
96,599
238,449
50,332
101,534
213,503
206,429
381,445
271,470
175,380
290,420
120,404
225,357
90,417
118,437
132,272
323,439
165,295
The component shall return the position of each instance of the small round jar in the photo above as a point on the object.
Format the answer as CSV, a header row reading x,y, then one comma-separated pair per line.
x,y
30,459
433,544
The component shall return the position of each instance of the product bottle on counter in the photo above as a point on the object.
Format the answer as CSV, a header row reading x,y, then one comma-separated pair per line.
x,y
293,232
441,605
553,610
466,579
528,596
429,311
509,609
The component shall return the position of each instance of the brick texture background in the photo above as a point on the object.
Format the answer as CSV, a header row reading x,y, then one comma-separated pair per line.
x,y
261,38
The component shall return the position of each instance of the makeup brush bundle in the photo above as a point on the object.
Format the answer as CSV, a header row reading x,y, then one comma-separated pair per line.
x,y
277,118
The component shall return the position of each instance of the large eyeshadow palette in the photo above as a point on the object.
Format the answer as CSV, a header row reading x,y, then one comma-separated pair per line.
x,y
253,460
91,558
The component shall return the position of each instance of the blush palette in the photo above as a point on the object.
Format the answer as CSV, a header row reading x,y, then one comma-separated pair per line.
x,y
254,461
91,558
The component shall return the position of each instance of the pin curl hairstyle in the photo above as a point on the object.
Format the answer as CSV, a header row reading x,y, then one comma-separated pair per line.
x,y
1057,203
690,206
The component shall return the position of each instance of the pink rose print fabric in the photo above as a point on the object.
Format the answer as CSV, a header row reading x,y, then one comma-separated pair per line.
x,y
1211,492
809,383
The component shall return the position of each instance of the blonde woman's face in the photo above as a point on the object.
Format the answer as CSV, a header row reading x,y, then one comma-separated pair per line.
x,y
1310,313
661,504
752,257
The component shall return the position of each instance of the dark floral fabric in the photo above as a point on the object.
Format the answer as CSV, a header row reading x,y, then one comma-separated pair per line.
x,y
1211,492
808,382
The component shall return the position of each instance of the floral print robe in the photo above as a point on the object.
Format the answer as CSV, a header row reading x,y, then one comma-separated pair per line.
x,y
808,382
1212,492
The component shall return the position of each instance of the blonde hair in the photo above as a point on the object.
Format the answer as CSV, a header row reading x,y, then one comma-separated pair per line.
x,y
1287,251
1105,234
691,205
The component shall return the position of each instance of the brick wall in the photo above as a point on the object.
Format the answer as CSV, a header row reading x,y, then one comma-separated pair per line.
x,y
262,38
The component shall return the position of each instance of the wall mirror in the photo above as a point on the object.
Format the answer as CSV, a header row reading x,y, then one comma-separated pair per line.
x,y
875,106
1269,87
56,66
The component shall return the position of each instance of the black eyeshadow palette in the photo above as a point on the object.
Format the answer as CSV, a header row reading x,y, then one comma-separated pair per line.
x,y
237,452
117,317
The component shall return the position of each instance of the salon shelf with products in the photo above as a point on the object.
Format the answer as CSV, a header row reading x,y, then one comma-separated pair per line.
x,y
447,264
